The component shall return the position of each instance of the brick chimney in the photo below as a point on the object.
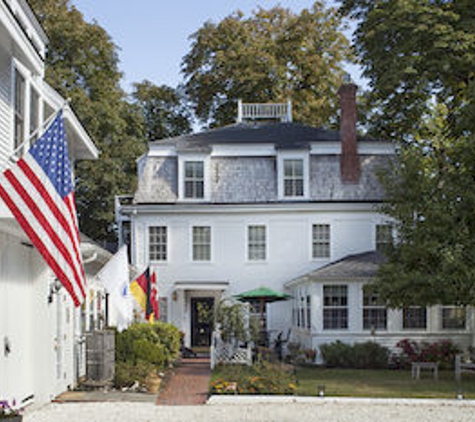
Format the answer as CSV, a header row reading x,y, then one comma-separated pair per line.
x,y
349,161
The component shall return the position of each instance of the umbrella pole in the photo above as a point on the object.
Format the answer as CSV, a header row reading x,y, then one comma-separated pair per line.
x,y
263,324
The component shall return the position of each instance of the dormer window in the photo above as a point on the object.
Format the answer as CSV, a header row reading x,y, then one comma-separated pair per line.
x,y
193,175
293,178
293,173
194,180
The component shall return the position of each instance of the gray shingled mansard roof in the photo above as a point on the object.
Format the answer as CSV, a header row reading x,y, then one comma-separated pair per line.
x,y
359,266
283,135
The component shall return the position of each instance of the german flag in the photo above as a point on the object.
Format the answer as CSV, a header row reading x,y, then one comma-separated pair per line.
x,y
141,289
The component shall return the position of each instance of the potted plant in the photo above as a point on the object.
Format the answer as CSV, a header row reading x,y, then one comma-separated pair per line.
x,y
7,413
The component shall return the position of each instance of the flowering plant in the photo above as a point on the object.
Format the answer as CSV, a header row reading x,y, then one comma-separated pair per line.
x,y
7,411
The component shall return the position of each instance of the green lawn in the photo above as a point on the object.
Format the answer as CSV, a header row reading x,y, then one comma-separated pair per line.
x,y
381,383
361,382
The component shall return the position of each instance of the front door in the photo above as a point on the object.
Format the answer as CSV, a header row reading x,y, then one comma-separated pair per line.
x,y
201,321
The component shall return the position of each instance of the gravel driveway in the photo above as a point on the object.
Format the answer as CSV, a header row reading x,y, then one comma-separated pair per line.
x,y
255,409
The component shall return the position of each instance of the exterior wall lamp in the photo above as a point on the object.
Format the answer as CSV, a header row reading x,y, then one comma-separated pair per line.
x,y
54,288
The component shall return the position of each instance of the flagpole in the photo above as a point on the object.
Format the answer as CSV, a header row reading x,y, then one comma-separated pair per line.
x,y
13,157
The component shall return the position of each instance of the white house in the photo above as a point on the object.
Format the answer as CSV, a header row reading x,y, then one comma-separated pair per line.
x,y
39,326
266,203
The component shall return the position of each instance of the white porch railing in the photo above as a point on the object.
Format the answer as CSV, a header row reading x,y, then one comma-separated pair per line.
x,y
227,353
266,111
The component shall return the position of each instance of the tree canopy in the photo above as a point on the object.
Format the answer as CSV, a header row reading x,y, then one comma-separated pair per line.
x,y
272,56
418,56
82,64
164,109
415,53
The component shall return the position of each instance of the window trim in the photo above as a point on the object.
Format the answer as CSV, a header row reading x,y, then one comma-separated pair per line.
x,y
375,238
211,249
414,328
371,307
266,243
336,307
321,258
293,155
167,238
182,159
30,84
451,329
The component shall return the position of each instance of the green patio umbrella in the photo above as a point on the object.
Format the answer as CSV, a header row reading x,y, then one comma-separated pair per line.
x,y
262,296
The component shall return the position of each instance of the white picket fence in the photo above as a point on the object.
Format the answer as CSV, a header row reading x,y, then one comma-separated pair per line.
x,y
228,353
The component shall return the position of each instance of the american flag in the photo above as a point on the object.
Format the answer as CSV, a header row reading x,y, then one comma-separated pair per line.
x,y
38,189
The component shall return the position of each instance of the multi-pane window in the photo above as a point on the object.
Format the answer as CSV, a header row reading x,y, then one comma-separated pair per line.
x,y
157,243
19,109
453,318
295,311
375,314
384,237
335,307
194,179
163,308
293,178
321,241
202,243
34,112
414,318
308,312
256,243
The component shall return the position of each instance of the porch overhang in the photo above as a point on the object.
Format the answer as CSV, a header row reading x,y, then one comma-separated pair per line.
x,y
201,285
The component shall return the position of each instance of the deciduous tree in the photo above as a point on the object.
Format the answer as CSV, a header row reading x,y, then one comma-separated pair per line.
x,y
164,109
82,64
419,58
415,53
272,56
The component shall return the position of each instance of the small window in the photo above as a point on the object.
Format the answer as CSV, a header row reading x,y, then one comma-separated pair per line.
x,y
414,318
453,318
157,243
335,307
256,246
34,114
202,243
374,311
384,237
19,134
163,308
194,179
293,178
321,241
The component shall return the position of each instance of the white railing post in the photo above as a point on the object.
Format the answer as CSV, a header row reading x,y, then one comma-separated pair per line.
x,y
239,116
281,111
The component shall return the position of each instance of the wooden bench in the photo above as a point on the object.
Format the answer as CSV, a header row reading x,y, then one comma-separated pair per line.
x,y
416,368
461,367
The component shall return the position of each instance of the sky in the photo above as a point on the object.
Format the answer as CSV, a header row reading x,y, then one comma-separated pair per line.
x,y
153,35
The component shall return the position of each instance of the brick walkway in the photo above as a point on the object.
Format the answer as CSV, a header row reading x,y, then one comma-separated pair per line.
x,y
188,385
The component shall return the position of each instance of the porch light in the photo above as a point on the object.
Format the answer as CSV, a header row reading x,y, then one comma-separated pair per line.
x,y
174,296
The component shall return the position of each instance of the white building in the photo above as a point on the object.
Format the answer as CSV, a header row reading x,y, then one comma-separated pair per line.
x,y
268,204
39,327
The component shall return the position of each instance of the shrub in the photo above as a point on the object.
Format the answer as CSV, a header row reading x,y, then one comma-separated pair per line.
x,y
142,348
367,355
260,378
443,351
127,373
